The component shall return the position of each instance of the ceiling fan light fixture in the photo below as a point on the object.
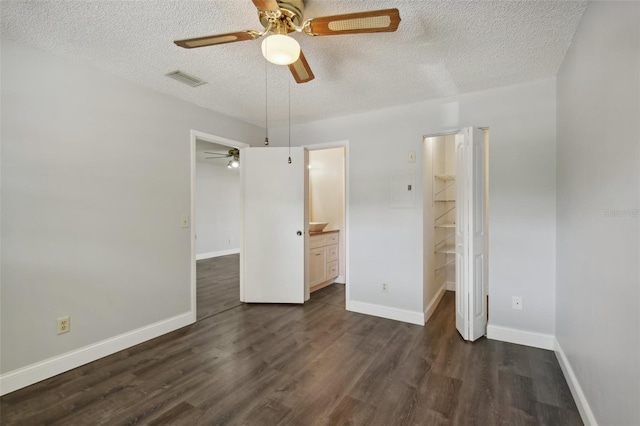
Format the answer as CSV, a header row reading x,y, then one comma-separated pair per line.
x,y
233,164
280,49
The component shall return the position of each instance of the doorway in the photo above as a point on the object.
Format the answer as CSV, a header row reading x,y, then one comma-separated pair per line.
x,y
327,217
456,226
215,225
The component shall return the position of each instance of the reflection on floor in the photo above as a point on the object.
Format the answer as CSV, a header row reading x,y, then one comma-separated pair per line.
x,y
218,285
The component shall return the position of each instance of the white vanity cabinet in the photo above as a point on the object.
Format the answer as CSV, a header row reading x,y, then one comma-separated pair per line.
x,y
323,259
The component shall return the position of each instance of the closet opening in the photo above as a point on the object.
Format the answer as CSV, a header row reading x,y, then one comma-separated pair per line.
x,y
456,227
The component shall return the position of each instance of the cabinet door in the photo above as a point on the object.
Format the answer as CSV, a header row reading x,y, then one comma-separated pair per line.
x,y
317,265
332,270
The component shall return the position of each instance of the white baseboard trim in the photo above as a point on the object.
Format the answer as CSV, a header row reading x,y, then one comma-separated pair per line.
x,y
42,370
451,285
430,309
521,337
576,390
219,253
386,312
340,280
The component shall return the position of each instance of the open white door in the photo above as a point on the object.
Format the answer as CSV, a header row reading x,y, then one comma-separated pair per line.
x,y
275,221
471,234
462,236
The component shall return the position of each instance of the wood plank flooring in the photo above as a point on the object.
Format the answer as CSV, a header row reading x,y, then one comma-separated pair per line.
x,y
315,364
217,285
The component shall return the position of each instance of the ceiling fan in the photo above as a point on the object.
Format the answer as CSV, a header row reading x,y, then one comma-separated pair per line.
x,y
280,17
233,153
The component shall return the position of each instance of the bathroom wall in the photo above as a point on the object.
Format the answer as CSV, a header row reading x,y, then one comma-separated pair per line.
x,y
327,194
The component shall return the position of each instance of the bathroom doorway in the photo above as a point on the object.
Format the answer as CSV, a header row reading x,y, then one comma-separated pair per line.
x,y
328,214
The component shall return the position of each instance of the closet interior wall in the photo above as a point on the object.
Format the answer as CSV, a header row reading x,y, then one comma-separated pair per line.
x,y
444,210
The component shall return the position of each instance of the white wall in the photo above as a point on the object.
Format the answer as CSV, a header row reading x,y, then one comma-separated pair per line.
x,y
95,178
217,205
598,282
386,244
327,194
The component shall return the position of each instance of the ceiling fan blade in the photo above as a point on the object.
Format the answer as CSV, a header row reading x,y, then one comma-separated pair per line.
x,y
374,21
217,154
271,5
301,71
212,40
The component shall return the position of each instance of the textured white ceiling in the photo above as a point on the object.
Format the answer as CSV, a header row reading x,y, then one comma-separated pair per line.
x,y
442,48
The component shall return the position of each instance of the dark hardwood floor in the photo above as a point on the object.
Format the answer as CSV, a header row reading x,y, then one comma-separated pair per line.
x,y
217,285
315,364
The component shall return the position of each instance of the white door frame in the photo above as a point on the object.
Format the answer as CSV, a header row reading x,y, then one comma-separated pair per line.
x,y
341,144
206,137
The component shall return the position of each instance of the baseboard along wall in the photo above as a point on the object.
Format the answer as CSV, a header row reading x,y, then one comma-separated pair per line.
x,y
574,386
386,312
212,254
42,370
433,304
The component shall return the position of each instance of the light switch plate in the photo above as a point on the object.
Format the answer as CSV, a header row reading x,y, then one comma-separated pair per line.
x,y
184,221
412,156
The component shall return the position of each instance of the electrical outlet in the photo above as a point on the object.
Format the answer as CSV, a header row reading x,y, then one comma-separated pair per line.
x,y
385,288
64,325
516,303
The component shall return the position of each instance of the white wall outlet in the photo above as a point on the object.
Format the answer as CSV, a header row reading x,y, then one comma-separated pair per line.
x,y
412,156
385,288
516,303
64,325
184,221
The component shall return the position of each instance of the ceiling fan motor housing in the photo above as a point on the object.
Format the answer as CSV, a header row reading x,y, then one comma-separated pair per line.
x,y
291,9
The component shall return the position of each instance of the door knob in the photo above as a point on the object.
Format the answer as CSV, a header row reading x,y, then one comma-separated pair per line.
x,y
299,232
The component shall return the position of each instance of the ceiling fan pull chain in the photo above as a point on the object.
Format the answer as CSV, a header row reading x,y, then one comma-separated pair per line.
x,y
289,101
266,102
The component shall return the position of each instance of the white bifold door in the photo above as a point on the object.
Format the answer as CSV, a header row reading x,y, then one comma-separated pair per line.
x,y
275,225
471,233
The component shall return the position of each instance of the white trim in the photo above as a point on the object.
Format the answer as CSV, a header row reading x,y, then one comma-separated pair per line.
x,y
42,370
386,312
340,280
430,309
576,390
194,136
451,285
521,337
218,253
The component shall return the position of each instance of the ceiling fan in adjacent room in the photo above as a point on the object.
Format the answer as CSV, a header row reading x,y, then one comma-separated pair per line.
x,y
233,153
280,17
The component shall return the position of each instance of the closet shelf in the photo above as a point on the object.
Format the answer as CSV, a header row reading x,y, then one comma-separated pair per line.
x,y
446,225
446,178
447,250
